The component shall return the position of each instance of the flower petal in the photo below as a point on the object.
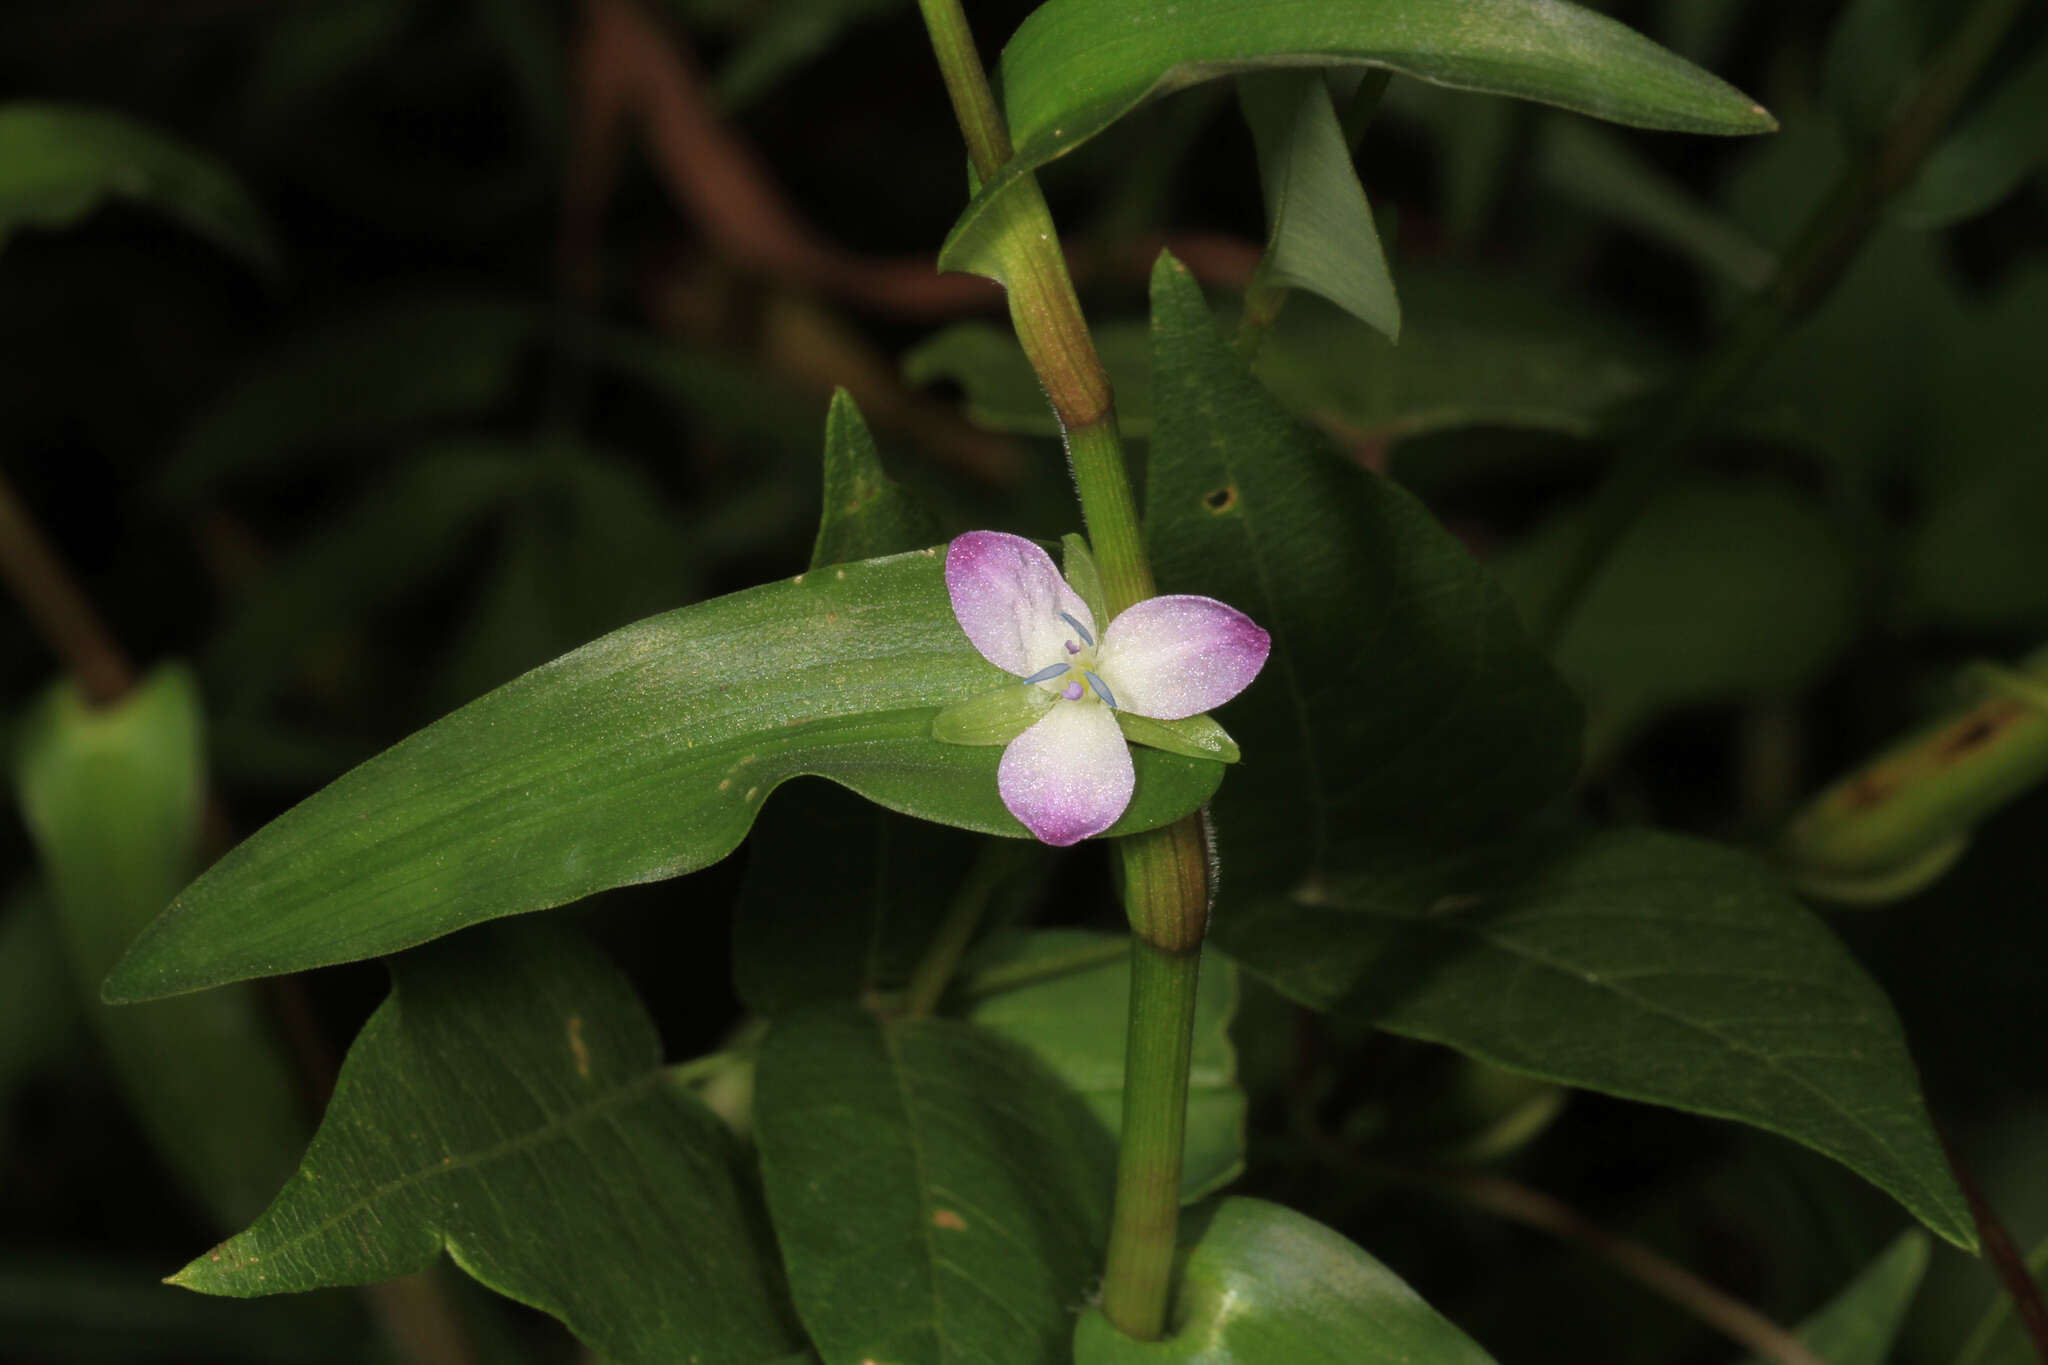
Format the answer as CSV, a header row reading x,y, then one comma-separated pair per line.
x,y
1177,656
1068,776
1008,597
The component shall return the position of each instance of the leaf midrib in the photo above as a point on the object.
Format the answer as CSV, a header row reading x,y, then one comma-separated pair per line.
x,y
557,1126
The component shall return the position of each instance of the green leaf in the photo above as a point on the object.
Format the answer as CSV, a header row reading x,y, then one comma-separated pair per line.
x,y
112,798
508,1105
1319,228
1065,993
1718,591
1986,156
1604,173
1643,965
1402,701
1858,1326
360,377
645,754
938,1194
865,514
59,163
1262,1285
1477,349
1077,66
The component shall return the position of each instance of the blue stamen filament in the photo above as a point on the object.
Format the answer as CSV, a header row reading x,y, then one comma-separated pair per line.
x,y
1101,687
1048,673
1080,630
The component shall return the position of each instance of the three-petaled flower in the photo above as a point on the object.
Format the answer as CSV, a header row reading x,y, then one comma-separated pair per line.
x,y
1069,775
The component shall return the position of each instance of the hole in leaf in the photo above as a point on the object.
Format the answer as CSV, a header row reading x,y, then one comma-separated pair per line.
x,y
1222,500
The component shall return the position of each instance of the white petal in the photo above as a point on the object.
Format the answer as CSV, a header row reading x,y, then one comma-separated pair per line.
x,y
1008,597
1068,776
1177,656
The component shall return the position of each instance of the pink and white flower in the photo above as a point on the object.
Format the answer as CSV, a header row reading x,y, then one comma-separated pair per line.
x,y
1069,775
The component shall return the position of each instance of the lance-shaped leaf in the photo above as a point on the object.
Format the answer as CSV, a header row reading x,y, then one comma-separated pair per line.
x,y
508,1105
1476,349
643,755
1065,994
112,796
1319,229
1644,965
1402,702
1263,1285
1077,66
940,1197
865,513
59,163
841,898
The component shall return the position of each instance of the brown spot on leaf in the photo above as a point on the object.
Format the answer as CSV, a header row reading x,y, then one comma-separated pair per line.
x,y
1978,729
951,1221
1222,500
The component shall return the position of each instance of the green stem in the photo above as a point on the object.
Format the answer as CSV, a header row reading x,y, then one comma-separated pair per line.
x,y
61,611
1166,872
1825,247
1166,892
1144,1228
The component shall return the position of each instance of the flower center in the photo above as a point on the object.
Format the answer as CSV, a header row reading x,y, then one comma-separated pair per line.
x,y
1074,677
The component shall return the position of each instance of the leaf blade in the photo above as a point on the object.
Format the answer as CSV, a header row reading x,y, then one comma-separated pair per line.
x,y
1353,737
1527,956
1263,1285
645,754
938,1194
1062,993
1320,233
112,797
509,1072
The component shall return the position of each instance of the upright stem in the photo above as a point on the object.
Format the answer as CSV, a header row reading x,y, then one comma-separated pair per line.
x,y
1825,247
1166,873
1166,891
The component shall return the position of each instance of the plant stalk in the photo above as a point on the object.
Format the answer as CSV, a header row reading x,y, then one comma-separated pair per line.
x,y
61,611
1824,249
1166,872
